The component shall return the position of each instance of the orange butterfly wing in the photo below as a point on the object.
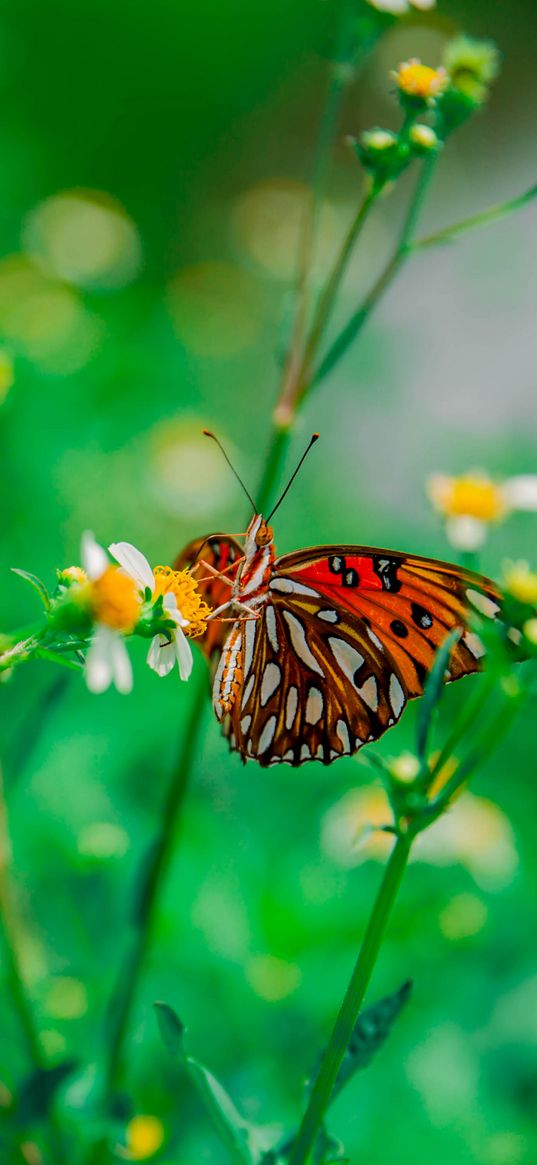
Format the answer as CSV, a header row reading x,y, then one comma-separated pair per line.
x,y
220,553
346,636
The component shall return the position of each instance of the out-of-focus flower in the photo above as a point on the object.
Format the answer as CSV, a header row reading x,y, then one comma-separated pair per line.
x,y
405,767
520,582
145,1136
382,153
399,7
530,631
115,605
7,375
473,502
472,66
72,574
419,85
182,605
423,139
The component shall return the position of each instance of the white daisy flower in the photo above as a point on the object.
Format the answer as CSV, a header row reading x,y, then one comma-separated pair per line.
x,y
115,607
399,7
473,502
165,650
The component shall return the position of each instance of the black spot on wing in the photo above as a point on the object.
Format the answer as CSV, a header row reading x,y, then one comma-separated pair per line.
x,y
421,617
386,570
399,629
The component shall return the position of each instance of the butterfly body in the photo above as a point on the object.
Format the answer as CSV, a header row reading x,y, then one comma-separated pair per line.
x,y
328,643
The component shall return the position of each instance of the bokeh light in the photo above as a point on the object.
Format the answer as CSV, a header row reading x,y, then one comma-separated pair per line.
x,y
85,238
217,309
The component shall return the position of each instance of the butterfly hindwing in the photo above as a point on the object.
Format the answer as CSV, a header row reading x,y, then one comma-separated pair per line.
x,y
345,637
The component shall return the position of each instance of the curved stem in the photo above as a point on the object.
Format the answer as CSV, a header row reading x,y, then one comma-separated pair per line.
x,y
482,219
350,1008
403,248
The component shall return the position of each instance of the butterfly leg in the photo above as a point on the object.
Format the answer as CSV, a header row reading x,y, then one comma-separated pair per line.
x,y
214,573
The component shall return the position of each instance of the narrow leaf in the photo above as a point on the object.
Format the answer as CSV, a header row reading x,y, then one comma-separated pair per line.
x,y
38,1091
36,583
234,1131
433,691
55,657
371,1031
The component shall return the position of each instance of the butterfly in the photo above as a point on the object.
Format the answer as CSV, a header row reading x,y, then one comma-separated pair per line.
x,y
323,647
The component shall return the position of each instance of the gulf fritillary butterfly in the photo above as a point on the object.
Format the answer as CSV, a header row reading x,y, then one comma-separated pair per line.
x,y
327,644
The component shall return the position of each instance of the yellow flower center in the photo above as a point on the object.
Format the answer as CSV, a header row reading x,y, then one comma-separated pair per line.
x,y
473,496
187,596
145,1135
417,80
521,582
115,600
73,574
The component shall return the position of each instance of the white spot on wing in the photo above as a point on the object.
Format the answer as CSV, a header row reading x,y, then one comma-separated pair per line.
x,y
288,756
314,706
343,733
249,634
482,603
270,620
288,586
248,690
245,724
298,641
374,638
305,753
474,644
397,695
270,681
267,735
328,616
369,693
291,707
348,658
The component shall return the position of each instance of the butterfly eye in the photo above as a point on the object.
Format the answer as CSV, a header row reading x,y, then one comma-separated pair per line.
x,y
264,535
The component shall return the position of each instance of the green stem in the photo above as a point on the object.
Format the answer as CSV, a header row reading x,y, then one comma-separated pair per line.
x,y
148,897
484,218
403,248
271,476
350,1008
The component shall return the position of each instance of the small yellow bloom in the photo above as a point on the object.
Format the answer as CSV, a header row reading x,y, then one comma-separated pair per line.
x,y
73,574
417,80
145,1135
472,495
520,582
530,631
115,600
187,596
405,768
423,137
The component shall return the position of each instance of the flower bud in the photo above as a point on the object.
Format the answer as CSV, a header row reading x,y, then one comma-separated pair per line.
x,y
423,140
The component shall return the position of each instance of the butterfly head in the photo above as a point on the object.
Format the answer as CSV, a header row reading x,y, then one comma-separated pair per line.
x,y
258,535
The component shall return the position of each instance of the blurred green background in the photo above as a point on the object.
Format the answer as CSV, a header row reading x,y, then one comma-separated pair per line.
x,y
154,162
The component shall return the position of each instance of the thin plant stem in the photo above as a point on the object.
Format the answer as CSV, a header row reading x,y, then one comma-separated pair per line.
x,y
340,75
484,218
403,248
350,1008
154,875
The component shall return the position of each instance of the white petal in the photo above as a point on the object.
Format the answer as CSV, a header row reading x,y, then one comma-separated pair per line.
x,y
466,533
161,655
520,492
121,666
134,563
394,6
99,666
94,559
169,603
183,652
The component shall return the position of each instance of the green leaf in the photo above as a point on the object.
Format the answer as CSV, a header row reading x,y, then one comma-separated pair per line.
x,y
370,1032
38,1091
241,1139
433,691
36,583
55,657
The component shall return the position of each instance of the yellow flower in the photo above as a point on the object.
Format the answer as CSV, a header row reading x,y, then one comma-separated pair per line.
x,y
145,1135
520,582
72,574
115,600
182,603
183,587
472,502
420,81
115,607
530,631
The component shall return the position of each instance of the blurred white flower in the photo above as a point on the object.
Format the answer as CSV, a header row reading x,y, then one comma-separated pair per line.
x,y
165,650
115,607
399,7
472,502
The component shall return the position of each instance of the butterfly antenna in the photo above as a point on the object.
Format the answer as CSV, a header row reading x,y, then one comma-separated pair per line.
x,y
314,438
207,433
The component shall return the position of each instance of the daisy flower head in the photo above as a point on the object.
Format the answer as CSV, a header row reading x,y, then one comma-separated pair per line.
x,y
473,502
115,605
174,602
419,85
